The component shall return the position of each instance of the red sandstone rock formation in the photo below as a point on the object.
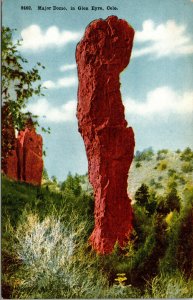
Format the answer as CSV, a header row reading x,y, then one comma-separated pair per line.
x,y
24,162
29,149
101,55
11,163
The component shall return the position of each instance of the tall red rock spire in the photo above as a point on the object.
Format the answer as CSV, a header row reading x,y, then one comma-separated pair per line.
x,y
101,55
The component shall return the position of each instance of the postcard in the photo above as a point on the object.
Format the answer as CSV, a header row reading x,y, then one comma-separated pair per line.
x,y
97,149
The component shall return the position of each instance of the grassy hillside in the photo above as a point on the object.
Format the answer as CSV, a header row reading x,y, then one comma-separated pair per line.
x,y
45,231
161,170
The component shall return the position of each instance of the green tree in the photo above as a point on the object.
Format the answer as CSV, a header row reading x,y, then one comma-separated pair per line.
x,y
18,86
161,154
152,203
142,195
54,179
178,151
72,184
146,198
45,174
187,167
162,208
138,164
171,172
162,165
185,245
173,200
187,154
146,154
170,202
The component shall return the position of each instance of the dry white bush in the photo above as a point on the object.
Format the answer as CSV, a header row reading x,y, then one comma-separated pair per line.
x,y
52,258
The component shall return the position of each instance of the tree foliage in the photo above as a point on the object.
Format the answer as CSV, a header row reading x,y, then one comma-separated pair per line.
x,y
18,87
146,154
142,195
72,184
186,155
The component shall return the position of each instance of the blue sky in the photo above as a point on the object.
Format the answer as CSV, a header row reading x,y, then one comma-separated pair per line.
x,y
157,86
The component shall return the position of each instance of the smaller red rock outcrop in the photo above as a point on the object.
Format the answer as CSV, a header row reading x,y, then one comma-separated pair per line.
x,y
11,163
31,164
24,162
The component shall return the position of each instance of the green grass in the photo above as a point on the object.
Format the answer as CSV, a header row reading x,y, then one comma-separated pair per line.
x,y
46,254
169,286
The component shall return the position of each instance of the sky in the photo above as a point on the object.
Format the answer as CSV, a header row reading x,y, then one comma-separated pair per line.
x,y
156,87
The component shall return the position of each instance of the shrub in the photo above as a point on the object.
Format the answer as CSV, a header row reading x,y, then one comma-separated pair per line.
x,y
146,154
172,184
162,165
181,180
186,155
120,291
138,164
152,182
156,185
185,244
140,222
171,172
187,167
45,174
169,262
54,179
53,259
145,260
169,286
161,154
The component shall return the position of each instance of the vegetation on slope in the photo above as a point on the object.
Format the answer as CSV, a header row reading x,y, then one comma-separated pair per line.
x,y
45,231
161,170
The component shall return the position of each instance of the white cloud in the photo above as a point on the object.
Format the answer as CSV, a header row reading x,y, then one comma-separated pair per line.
x,y
62,82
169,39
35,39
67,81
55,114
161,101
49,84
67,67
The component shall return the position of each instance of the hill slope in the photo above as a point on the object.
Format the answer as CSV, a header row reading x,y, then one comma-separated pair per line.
x,y
161,170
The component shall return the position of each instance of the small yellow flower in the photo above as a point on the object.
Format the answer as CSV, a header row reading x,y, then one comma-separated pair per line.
x,y
121,278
